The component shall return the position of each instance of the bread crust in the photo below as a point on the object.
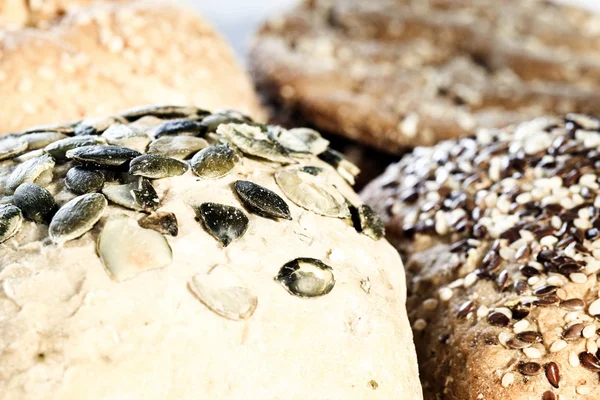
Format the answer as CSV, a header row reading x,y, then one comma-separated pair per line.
x,y
110,56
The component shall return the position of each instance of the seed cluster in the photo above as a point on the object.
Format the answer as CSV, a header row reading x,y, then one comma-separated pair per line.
x,y
520,208
113,161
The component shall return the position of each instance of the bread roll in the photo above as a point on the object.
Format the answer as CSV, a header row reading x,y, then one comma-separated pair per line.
x,y
501,240
223,263
110,56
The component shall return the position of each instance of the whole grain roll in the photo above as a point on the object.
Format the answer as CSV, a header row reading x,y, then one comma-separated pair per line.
x,y
500,235
110,56
169,253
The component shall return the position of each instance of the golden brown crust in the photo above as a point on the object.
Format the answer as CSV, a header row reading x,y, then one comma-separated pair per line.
x,y
398,74
108,57
496,233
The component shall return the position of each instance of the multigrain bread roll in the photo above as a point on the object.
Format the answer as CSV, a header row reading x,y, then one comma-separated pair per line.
x,y
500,236
115,55
169,253
400,73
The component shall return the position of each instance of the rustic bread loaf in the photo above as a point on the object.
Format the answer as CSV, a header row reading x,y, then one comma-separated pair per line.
x,y
168,253
500,236
396,74
110,56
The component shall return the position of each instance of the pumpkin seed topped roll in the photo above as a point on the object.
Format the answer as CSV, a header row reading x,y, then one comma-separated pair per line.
x,y
172,253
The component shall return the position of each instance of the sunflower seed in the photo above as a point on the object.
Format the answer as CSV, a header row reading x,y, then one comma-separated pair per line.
x,y
77,217
224,223
11,219
310,193
179,127
36,203
553,374
126,249
369,222
345,168
81,181
126,136
161,222
163,112
95,126
11,147
111,157
155,166
38,170
261,201
177,146
59,149
252,141
306,277
214,162
39,140
139,195
224,293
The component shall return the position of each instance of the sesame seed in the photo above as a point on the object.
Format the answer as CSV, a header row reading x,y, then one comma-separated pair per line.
x,y
532,352
457,283
503,338
508,379
420,325
578,277
573,359
549,241
583,390
430,304
558,345
521,326
594,308
591,346
445,294
482,311
470,279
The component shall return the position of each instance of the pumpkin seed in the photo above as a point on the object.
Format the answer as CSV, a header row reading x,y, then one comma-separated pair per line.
x,y
11,219
127,136
39,140
299,140
312,170
212,122
96,125
103,156
252,141
345,168
155,166
139,195
310,193
58,149
214,162
369,223
161,222
126,249
67,128
163,112
177,146
180,127
77,217
261,201
81,181
224,223
11,146
35,202
224,293
29,155
38,170
306,277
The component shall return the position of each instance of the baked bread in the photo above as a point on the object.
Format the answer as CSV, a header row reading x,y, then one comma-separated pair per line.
x,y
222,263
396,74
110,56
500,236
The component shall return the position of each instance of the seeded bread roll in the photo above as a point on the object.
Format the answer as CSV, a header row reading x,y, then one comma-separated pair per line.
x,y
396,74
501,238
110,56
170,253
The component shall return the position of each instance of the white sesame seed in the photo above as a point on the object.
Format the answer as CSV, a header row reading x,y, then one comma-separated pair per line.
x,y
521,326
589,180
594,308
420,325
573,359
583,390
571,316
556,280
503,204
558,346
441,224
508,379
550,200
577,199
445,294
470,279
538,193
561,294
593,265
430,304
532,352
504,310
532,280
457,283
527,235
482,311
578,277
591,346
507,253
589,331
556,222
583,213
582,223
566,202
490,200
570,250
549,241
504,337
523,198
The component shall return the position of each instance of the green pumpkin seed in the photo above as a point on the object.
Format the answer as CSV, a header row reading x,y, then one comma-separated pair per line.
x,y
212,122
180,127
368,222
345,168
310,193
179,147
110,157
252,141
315,171
126,249
299,140
224,223
11,219
224,293
35,202
162,222
58,149
306,277
155,166
39,140
261,201
214,162
163,112
127,136
38,170
11,146
81,181
67,128
95,126
77,217
139,195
